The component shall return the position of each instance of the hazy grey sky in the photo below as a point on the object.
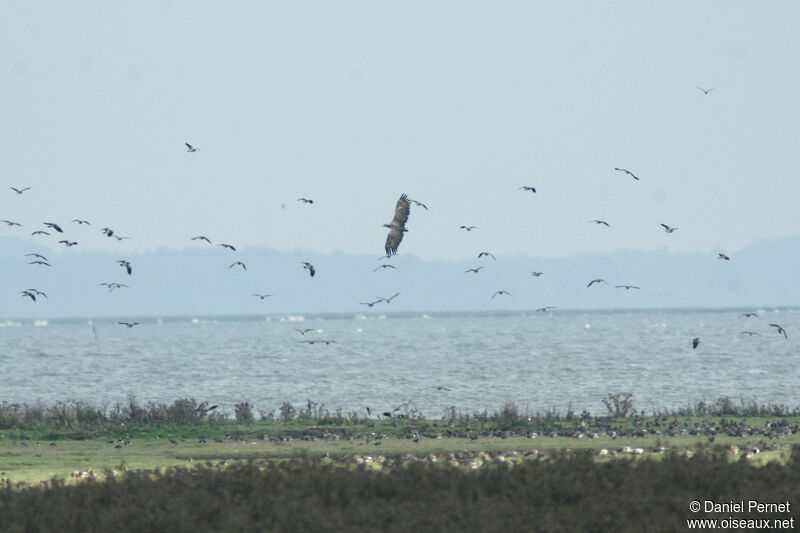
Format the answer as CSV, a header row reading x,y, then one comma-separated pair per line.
x,y
351,104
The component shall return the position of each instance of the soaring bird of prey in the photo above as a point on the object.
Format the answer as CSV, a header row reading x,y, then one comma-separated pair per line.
x,y
544,309
387,300
398,225
535,274
706,91
308,266
304,331
54,226
190,148
20,191
475,270
262,296
603,222
527,188
68,243
668,229
201,238
780,330
626,287
11,223
81,221
500,292
487,254
387,265
239,263
748,315
228,246
126,265
695,343
468,228
418,204
129,324
598,280
305,200
628,172
720,255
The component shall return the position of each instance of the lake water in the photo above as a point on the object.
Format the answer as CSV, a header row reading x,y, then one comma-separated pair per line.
x,y
537,360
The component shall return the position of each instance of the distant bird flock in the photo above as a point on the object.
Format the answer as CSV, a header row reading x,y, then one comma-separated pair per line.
x,y
397,230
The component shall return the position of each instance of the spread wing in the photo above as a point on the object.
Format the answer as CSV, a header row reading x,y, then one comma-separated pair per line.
x,y
397,228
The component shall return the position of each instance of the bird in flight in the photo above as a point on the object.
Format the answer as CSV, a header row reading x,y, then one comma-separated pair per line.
x,y
201,238
262,296
527,188
628,172
81,221
500,292
475,270
668,229
535,274
383,266
441,387
20,191
239,263
126,265
603,222
305,200
486,254
544,309
228,246
319,342
780,330
397,226
108,232
120,237
40,262
370,304
723,256
748,315
112,286
387,300
32,294
304,331
129,324
468,228
706,91
751,333
40,232
190,148
38,256
11,223
695,343
308,266
627,287
598,280
68,243
418,204
54,226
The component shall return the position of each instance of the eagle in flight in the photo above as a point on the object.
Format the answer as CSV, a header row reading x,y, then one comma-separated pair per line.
x,y
398,225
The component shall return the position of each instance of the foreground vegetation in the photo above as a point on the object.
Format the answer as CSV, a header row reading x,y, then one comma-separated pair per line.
x,y
187,467
561,492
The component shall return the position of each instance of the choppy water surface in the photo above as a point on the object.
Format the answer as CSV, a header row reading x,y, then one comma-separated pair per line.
x,y
537,360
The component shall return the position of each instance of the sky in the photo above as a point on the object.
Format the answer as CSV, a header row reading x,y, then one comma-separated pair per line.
x,y
457,104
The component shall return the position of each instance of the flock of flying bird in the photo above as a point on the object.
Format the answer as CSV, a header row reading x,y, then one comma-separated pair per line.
x,y
397,229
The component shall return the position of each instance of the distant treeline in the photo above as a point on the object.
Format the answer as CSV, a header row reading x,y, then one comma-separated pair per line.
x,y
567,492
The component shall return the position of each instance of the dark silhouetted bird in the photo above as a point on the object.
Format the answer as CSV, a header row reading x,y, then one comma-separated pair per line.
x,y
304,331
81,221
40,232
262,296
383,266
527,188
387,300
695,343
751,333
486,254
54,226
418,204
535,274
668,229
43,263
11,223
38,256
468,228
723,256
706,91
201,238
129,324
475,270
239,263
626,287
499,293
780,330
190,148
126,265
370,304
544,309
20,191
308,266
305,200
598,280
68,243
228,246
748,315
397,227
628,172
603,222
